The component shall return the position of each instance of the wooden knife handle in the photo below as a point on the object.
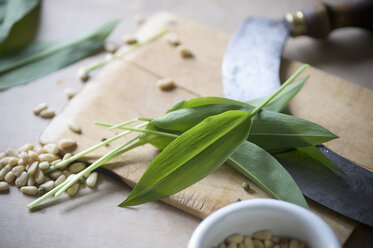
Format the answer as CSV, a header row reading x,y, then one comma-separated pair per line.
x,y
318,20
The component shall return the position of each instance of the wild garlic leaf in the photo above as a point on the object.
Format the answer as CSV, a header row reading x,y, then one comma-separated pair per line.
x,y
317,155
191,157
272,131
282,99
19,24
206,101
37,60
266,172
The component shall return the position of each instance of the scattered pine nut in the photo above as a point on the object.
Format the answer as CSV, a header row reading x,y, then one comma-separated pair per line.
x,y
10,177
59,180
40,107
172,39
77,167
184,52
139,19
246,186
73,189
51,148
67,143
48,185
47,113
129,40
22,179
83,74
91,180
17,171
70,92
5,171
4,186
166,84
110,47
29,190
73,126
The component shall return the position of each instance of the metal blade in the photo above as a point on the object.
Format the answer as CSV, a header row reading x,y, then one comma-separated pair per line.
x,y
350,195
251,64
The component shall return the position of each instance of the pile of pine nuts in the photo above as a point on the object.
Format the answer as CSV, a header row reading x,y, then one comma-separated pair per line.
x,y
25,169
260,239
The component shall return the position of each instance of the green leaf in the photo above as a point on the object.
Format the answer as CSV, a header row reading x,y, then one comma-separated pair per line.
x,y
266,172
282,99
317,155
37,60
19,24
191,157
206,101
273,131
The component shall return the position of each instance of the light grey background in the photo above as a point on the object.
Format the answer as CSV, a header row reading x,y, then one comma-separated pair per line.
x,y
93,219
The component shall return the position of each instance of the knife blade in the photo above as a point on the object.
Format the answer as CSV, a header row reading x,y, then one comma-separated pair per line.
x,y
250,70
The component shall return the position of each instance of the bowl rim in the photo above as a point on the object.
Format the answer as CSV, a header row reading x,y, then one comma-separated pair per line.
x,y
270,204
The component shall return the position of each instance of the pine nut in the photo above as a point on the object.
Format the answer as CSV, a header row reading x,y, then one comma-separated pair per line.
x,y
232,245
29,190
44,165
73,189
66,173
248,242
26,147
31,181
51,148
91,180
275,239
10,177
24,156
262,235
73,126
47,113
67,156
41,150
48,185
235,238
258,243
139,19
11,153
48,157
129,40
33,167
166,84
17,171
55,174
34,156
77,167
40,107
5,171
56,162
5,160
22,179
4,186
294,243
184,52
60,180
268,243
172,39
110,47
67,143
12,161
83,74
70,92
2,155
39,176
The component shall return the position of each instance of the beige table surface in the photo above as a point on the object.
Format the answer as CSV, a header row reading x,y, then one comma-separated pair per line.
x,y
93,219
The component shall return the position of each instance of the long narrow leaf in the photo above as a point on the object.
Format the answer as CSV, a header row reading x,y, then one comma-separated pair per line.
x,y
12,34
192,156
38,60
266,172
317,155
282,100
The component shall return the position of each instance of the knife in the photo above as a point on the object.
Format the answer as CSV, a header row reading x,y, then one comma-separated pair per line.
x,y
250,70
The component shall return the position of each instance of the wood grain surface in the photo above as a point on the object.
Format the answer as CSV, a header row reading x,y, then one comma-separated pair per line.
x,y
126,89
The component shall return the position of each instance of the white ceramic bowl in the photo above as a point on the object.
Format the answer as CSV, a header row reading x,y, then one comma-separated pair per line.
x,y
281,218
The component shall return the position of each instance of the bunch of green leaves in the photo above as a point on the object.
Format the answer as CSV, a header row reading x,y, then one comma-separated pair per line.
x,y
22,60
199,135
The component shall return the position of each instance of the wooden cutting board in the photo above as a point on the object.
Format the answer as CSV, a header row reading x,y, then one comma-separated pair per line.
x,y
126,89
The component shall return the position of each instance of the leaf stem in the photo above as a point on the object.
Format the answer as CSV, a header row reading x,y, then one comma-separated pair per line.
x,y
91,149
283,86
125,52
107,157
